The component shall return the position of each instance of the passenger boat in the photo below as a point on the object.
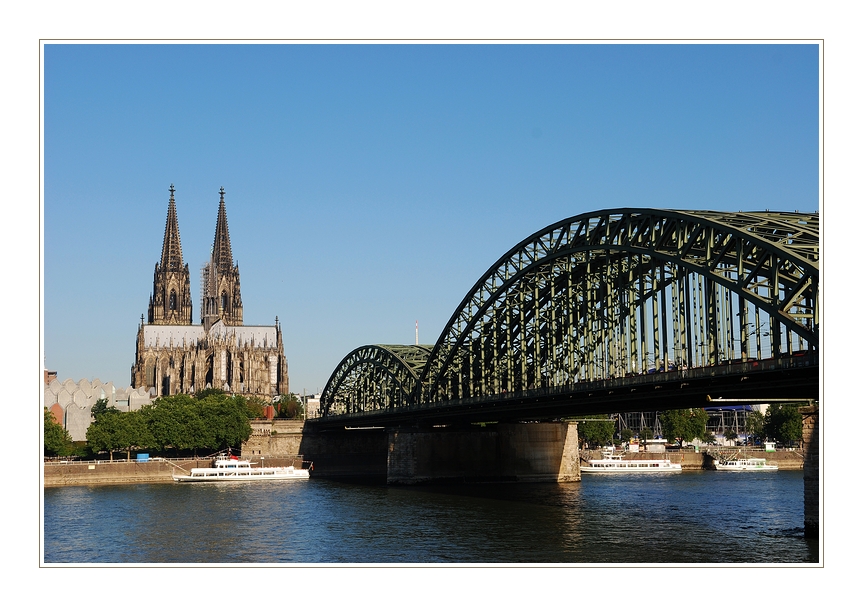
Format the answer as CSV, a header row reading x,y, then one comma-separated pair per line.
x,y
744,464
615,464
231,468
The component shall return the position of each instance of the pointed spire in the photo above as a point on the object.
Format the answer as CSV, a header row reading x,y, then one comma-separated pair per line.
x,y
222,258
172,251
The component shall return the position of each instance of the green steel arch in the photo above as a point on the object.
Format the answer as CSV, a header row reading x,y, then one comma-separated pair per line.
x,y
372,378
606,294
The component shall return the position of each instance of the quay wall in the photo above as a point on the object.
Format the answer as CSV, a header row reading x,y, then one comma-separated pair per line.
x,y
102,472
280,437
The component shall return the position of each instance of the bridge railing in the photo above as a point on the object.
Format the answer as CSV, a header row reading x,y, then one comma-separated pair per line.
x,y
681,374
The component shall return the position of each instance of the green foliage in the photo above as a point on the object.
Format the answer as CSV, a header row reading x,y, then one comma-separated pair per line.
x,y
214,421
289,407
626,435
226,420
174,422
57,439
684,425
110,432
255,407
202,394
211,420
646,433
755,424
784,423
101,407
731,435
598,432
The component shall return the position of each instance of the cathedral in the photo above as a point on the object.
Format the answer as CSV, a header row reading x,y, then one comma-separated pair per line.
x,y
174,356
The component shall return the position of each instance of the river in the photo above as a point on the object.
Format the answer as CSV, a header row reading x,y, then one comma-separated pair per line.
x,y
684,518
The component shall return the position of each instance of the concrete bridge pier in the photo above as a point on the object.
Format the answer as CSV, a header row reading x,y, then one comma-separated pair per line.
x,y
529,452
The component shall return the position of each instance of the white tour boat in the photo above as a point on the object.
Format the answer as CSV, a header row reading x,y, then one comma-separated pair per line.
x,y
230,468
744,464
611,463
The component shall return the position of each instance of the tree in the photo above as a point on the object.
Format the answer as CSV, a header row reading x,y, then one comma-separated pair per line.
x,y
684,425
109,432
226,420
289,406
598,432
784,423
254,407
101,407
646,433
214,421
755,425
56,437
626,435
730,435
139,435
202,394
175,421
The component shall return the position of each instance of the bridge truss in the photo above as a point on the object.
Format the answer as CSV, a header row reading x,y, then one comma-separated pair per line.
x,y
605,295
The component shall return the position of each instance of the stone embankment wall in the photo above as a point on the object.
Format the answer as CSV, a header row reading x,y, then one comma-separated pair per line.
x,y
123,472
116,472
280,437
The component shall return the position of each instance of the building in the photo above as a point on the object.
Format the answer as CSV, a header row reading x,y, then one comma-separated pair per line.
x,y
71,403
312,405
173,355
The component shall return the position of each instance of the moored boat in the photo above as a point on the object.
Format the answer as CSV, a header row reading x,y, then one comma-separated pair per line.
x,y
615,464
228,468
744,464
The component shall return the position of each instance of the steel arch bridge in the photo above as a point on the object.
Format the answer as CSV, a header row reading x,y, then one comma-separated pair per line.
x,y
622,296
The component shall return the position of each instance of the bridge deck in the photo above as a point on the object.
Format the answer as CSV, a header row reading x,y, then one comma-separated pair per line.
x,y
794,378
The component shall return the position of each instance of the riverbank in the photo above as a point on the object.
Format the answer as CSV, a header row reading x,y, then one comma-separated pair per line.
x,y
689,459
102,472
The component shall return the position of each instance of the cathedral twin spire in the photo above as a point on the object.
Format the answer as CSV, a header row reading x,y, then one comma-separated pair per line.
x,y
172,251
222,257
171,301
220,279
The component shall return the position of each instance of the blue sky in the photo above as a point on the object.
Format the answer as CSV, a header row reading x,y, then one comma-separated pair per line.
x,y
369,186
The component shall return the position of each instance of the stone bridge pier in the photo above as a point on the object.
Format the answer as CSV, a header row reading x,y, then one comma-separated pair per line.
x,y
811,474
524,452
536,452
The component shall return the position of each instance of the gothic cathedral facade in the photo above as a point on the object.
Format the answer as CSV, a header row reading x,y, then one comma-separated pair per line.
x,y
174,356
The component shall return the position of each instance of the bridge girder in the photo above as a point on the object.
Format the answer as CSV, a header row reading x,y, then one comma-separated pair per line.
x,y
375,377
614,293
